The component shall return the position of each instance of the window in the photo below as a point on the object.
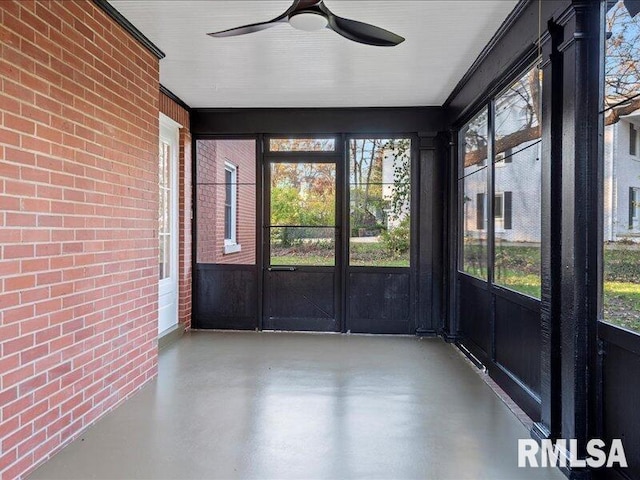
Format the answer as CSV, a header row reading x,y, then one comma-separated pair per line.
x,y
230,208
621,275
473,191
380,202
302,218
503,158
498,210
302,144
225,208
634,207
502,210
165,210
517,200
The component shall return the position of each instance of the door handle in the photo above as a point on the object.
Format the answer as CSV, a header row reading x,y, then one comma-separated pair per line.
x,y
282,269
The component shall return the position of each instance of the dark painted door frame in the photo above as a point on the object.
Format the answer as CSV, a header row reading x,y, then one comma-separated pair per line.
x,y
271,275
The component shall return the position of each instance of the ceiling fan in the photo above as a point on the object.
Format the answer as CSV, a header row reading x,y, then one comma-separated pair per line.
x,y
312,15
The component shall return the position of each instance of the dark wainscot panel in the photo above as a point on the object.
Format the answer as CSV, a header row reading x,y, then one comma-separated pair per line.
x,y
517,348
226,297
300,300
378,302
518,340
475,318
621,393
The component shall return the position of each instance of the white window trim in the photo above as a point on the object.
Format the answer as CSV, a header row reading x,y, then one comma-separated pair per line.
x,y
635,217
498,222
500,162
230,244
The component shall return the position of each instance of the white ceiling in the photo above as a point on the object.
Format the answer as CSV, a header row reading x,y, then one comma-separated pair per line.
x,y
284,67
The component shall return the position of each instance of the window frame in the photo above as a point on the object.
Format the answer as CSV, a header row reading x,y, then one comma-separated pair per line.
x,y
498,220
412,199
480,213
494,161
634,208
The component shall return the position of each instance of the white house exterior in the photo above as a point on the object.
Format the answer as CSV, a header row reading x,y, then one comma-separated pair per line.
x,y
518,196
518,192
622,180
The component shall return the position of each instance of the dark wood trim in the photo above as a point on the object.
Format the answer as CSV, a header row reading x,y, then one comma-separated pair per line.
x,y
300,121
552,207
620,337
510,74
506,26
120,19
512,296
525,33
475,281
581,250
164,90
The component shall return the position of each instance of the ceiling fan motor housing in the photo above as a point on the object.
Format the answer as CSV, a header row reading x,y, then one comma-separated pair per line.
x,y
308,21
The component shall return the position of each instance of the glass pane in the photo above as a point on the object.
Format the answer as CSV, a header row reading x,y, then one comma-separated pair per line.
x,y
164,210
214,199
380,195
473,189
518,182
303,194
622,170
311,246
302,144
164,256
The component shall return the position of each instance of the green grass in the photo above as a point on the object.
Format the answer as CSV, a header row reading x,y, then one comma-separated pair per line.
x,y
622,304
303,261
517,268
320,255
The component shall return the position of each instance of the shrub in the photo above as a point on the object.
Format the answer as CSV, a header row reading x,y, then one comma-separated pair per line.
x,y
397,240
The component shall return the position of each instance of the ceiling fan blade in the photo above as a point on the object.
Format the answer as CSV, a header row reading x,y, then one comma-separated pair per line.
x,y
363,32
256,27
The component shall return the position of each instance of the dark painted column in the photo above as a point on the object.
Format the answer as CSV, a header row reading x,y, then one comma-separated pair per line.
x,y
429,235
450,234
571,282
551,66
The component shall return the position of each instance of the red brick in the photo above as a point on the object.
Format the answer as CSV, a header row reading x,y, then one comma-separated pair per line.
x,y
16,376
19,283
77,241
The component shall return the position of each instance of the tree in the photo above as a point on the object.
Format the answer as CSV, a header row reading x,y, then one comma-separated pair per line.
x,y
302,195
375,197
622,64
622,88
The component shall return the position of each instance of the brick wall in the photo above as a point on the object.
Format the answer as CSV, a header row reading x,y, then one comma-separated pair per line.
x,y
206,201
180,115
211,158
78,221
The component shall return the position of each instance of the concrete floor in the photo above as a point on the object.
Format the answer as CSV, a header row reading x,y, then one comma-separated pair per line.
x,y
281,405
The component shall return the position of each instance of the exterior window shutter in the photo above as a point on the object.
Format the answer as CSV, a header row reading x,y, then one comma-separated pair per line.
x,y
508,155
632,205
508,208
480,211
633,139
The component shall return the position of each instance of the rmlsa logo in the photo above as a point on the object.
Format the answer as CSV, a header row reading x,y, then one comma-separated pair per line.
x,y
556,454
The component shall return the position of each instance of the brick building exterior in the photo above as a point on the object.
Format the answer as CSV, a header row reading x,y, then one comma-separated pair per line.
x,y
213,157
79,123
